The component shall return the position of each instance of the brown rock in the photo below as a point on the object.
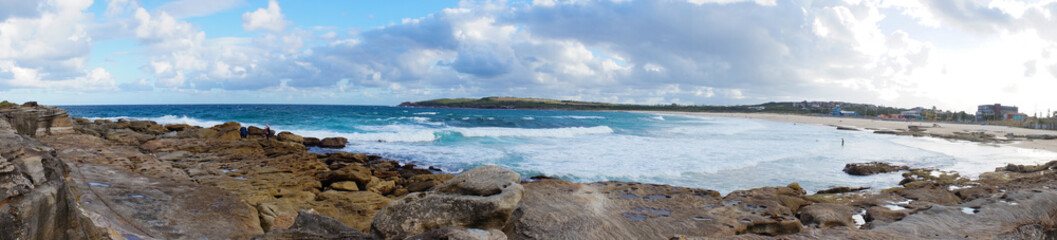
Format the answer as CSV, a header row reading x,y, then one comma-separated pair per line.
x,y
177,127
460,233
435,177
883,214
313,226
360,175
345,185
348,157
227,126
841,190
198,133
128,137
333,142
230,136
932,194
381,187
827,215
870,168
483,197
422,186
290,137
311,141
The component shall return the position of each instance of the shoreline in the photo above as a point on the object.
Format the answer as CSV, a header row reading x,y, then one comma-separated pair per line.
x,y
944,130
115,176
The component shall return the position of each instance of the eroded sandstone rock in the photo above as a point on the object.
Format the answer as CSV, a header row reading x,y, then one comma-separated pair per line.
x,y
871,168
333,142
483,197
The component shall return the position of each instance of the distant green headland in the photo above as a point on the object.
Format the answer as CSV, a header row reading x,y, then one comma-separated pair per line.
x,y
804,107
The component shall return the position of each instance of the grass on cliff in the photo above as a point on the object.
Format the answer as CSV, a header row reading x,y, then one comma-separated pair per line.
x,y
5,105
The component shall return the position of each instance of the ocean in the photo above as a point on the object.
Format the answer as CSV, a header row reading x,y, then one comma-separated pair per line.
x,y
722,154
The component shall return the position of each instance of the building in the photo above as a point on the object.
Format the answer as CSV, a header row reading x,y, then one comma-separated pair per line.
x,y
995,112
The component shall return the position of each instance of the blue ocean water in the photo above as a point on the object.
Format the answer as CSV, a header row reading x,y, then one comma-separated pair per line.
x,y
717,153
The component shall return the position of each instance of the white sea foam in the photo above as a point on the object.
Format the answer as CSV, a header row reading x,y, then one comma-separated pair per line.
x,y
528,118
426,113
403,135
658,117
531,132
581,117
168,119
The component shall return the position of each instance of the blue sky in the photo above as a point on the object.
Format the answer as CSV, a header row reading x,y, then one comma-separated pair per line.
x,y
949,54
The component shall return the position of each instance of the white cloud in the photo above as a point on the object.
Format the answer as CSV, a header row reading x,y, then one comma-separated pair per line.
x,y
270,19
694,51
47,47
197,8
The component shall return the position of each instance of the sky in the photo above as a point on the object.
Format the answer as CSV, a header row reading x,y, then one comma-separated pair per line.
x,y
950,54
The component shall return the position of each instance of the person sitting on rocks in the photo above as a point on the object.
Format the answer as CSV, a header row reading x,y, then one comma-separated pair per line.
x,y
243,132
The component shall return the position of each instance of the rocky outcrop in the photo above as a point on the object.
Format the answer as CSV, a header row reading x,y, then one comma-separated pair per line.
x,y
310,141
35,197
333,142
871,168
290,137
460,233
313,226
826,215
481,198
31,120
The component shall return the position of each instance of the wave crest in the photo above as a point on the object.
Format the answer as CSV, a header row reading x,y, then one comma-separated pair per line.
x,y
532,132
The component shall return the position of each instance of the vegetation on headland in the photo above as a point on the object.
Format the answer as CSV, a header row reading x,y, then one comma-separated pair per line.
x,y
5,105
550,104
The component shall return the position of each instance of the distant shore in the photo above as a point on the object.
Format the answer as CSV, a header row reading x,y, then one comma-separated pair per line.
x,y
944,128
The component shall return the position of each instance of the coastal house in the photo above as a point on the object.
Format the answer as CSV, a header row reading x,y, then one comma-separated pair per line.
x,y
912,114
998,112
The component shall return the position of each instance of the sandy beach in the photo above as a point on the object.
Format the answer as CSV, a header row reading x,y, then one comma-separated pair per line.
x,y
861,123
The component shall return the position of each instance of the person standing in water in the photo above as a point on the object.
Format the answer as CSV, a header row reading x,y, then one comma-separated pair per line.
x,y
841,142
268,132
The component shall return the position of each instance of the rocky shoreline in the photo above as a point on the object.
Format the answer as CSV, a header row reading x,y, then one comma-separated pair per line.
x,y
66,178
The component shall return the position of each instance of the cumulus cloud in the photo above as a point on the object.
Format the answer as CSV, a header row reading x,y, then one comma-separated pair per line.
x,y
47,46
198,8
684,51
270,19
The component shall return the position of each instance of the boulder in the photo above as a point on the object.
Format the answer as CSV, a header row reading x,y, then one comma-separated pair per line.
x,y
141,126
360,175
177,127
484,197
311,142
345,185
460,233
313,226
883,214
422,186
228,126
381,187
333,142
290,137
259,132
871,168
841,190
827,215
230,135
